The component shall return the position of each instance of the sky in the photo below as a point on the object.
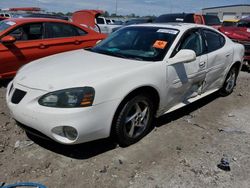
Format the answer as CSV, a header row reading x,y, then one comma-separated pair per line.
x,y
124,7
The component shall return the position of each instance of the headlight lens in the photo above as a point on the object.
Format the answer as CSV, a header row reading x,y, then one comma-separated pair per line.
x,y
69,98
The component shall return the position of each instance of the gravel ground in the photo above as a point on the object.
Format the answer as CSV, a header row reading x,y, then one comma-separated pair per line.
x,y
183,150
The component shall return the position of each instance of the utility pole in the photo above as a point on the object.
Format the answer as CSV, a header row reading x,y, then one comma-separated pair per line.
x,y
116,7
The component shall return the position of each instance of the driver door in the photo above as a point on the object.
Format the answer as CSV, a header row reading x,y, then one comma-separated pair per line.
x,y
186,80
26,48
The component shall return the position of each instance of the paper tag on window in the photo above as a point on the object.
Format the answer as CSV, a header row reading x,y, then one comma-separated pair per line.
x,y
160,44
10,23
169,31
179,19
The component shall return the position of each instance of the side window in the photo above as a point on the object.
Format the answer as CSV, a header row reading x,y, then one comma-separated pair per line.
x,y
99,21
214,40
81,32
60,30
193,41
28,32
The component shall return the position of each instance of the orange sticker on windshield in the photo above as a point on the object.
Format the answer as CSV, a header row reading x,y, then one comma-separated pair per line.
x,y
160,44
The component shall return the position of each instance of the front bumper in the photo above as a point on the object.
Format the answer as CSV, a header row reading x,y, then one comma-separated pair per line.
x,y
91,123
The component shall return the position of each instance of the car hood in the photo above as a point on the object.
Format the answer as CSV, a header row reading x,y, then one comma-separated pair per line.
x,y
73,69
240,33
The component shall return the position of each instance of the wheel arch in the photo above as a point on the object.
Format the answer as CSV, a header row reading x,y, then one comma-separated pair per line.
x,y
149,90
236,64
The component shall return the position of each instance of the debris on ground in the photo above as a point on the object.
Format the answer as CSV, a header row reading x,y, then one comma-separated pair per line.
x,y
23,144
120,162
104,170
224,164
231,115
231,130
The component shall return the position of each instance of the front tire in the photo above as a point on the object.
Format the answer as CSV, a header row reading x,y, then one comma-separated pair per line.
x,y
230,82
134,120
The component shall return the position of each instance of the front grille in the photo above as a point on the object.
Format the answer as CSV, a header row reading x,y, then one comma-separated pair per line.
x,y
247,53
11,87
247,47
17,96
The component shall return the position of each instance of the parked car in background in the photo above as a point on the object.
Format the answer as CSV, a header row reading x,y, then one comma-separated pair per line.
x,y
118,22
133,21
40,15
229,23
87,18
117,87
25,39
105,25
240,33
210,20
5,15
2,18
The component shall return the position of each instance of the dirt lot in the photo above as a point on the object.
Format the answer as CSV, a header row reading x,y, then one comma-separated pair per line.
x,y
182,151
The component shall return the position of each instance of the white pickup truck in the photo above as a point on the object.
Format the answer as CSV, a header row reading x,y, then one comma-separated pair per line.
x,y
106,25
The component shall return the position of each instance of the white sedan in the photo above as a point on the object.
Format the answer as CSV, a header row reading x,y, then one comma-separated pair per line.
x,y
118,87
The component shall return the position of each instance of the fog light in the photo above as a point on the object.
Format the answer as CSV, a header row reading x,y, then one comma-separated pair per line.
x,y
70,132
66,131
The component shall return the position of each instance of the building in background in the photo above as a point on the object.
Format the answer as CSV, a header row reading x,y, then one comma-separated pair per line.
x,y
229,12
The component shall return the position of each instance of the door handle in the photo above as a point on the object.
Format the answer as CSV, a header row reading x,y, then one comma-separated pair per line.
x,y
77,42
227,55
42,46
202,64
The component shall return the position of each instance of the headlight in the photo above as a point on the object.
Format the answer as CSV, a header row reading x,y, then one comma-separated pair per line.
x,y
69,98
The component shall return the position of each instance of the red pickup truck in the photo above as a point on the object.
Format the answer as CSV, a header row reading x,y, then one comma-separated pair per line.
x,y
240,33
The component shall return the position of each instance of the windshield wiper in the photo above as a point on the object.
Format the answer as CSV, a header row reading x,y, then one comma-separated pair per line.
x,y
115,54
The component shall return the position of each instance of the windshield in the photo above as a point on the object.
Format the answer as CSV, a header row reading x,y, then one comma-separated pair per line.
x,y
5,25
243,23
140,43
137,21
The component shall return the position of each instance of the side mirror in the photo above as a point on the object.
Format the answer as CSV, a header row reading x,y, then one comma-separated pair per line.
x,y
8,39
183,56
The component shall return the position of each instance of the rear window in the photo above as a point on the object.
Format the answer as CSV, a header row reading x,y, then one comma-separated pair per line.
x,y
228,24
187,18
211,20
214,40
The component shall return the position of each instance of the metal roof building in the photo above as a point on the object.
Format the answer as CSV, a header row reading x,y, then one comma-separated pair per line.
x,y
229,12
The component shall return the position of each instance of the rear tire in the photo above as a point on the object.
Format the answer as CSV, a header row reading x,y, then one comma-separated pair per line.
x,y
133,120
230,82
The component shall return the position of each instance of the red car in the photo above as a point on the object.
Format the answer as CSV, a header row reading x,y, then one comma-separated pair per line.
x,y
240,33
25,39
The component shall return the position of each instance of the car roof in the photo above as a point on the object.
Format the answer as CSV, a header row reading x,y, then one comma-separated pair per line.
x,y
246,19
172,25
231,20
28,20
